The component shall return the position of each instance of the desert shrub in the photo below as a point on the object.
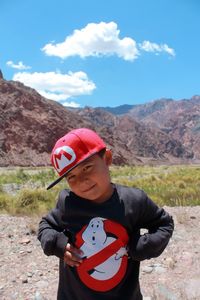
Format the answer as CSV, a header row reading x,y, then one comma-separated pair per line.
x,y
1,188
181,184
7,203
34,201
21,175
3,202
24,175
44,176
171,185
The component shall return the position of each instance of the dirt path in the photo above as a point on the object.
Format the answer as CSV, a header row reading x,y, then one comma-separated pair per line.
x,y
26,273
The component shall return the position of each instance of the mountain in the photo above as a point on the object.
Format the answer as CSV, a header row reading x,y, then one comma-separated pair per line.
x,y
179,119
135,137
118,110
30,125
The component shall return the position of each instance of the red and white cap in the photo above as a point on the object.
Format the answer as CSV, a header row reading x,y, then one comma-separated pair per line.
x,y
72,149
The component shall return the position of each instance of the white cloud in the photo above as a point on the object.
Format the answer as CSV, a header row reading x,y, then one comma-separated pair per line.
x,y
153,47
71,104
102,39
94,40
57,86
19,66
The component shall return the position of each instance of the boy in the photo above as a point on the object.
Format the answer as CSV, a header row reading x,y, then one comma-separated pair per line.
x,y
95,227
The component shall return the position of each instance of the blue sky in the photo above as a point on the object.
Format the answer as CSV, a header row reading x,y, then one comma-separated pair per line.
x,y
102,53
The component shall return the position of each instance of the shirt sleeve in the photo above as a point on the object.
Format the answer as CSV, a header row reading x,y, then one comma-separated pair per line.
x,y
51,232
160,227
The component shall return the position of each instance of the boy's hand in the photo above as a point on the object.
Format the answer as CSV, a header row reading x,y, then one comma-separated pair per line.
x,y
72,256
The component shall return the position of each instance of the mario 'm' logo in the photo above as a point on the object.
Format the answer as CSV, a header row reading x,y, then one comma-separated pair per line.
x,y
103,243
63,157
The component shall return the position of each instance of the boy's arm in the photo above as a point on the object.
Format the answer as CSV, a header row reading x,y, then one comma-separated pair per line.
x,y
51,233
160,227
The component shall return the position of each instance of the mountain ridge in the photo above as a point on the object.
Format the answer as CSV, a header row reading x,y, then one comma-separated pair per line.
x,y
30,125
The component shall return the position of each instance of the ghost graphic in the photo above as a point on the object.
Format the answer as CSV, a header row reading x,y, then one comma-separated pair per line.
x,y
94,240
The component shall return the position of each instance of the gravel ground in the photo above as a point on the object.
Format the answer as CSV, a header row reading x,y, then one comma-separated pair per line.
x,y
26,273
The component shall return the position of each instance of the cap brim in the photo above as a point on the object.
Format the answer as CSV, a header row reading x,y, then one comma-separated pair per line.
x,y
56,181
61,177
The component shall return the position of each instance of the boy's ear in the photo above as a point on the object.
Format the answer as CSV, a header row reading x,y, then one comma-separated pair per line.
x,y
108,157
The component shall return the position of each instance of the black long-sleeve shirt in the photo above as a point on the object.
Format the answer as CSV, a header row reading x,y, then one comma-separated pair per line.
x,y
109,236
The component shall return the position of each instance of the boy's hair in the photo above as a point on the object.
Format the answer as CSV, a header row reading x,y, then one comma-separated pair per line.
x,y
102,152
73,148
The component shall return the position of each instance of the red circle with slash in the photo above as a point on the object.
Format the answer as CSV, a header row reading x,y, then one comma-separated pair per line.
x,y
93,261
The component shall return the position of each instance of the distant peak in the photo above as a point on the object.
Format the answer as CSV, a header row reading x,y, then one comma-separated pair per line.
x,y
196,97
1,74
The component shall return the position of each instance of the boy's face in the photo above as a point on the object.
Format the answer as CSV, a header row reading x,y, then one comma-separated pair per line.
x,y
91,179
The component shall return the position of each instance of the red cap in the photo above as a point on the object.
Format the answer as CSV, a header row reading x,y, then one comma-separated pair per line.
x,y
72,149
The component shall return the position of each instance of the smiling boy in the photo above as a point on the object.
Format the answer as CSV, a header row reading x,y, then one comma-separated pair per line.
x,y
95,227
91,179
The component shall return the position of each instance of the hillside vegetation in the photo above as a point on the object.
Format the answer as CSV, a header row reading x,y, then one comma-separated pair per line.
x,y
23,190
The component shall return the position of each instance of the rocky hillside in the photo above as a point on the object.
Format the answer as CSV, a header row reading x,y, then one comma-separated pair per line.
x,y
179,119
140,140
30,125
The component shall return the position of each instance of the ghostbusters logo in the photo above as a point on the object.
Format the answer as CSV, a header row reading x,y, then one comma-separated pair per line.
x,y
103,243
63,157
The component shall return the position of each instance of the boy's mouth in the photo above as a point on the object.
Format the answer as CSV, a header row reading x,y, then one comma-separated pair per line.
x,y
89,189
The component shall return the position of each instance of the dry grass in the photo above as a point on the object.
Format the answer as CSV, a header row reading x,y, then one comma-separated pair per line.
x,y
166,185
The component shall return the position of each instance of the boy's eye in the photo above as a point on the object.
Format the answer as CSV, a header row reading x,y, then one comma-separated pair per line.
x,y
87,167
70,178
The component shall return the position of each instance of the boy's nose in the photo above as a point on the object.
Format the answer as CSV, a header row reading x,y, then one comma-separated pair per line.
x,y
84,180
83,177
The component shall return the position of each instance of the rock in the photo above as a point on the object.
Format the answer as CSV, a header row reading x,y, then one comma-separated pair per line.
x,y
147,269
192,288
25,241
24,280
42,284
165,294
160,269
187,258
38,296
170,262
29,274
